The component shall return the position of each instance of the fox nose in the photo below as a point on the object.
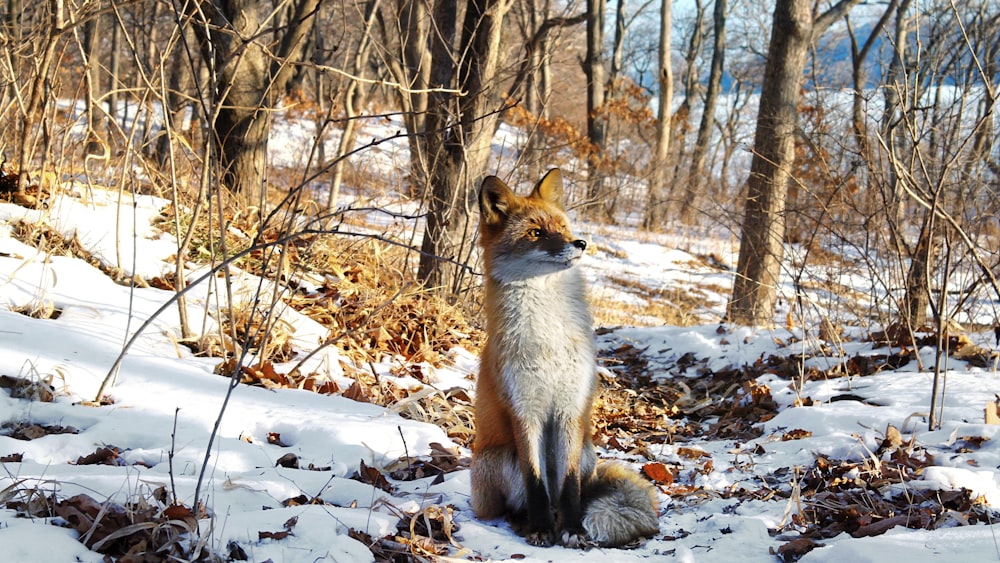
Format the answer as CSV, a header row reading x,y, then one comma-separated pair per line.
x,y
580,243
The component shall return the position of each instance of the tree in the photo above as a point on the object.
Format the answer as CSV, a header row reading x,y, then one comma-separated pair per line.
x,y
692,90
593,68
763,230
354,96
40,28
410,65
532,81
458,133
656,207
859,76
246,79
696,171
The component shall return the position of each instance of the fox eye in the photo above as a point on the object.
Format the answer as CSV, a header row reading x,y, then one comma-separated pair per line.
x,y
536,233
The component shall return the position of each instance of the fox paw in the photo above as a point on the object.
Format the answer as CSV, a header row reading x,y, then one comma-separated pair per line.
x,y
539,538
576,539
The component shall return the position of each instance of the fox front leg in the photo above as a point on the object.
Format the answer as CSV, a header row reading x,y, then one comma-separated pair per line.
x,y
571,512
567,459
540,530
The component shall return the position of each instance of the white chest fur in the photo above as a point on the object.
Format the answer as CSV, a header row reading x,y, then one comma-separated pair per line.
x,y
543,343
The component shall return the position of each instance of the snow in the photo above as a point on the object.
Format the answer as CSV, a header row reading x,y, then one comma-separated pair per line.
x,y
167,402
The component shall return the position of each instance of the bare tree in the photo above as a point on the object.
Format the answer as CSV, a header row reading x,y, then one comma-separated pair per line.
x,y
40,28
594,69
696,171
247,77
354,96
532,81
458,133
859,56
657,205
755,288
692,91
406,52
895,86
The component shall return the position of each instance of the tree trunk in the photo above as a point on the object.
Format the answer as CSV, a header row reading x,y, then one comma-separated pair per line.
x,y
859,78
593,68
416,74
658,203
245,80
39,90
682,117
354,97
176,99
92,79
893,116
755,287
239,88
115,70
696,177
459,134
918,297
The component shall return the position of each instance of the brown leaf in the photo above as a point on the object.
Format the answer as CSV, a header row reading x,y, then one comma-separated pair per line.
x,y
881,526
691,453
796,434
178,512
162,283
273,535
109,455
31,389
658,472
893,439
289,460
372,476
356,393
795,549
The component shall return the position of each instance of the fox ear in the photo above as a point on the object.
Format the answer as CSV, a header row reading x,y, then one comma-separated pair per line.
x,y
550,188
494,200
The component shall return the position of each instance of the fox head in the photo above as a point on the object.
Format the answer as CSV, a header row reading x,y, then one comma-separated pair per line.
x,y
526,237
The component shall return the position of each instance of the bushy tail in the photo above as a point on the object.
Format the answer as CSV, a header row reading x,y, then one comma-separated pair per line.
x,y
621,506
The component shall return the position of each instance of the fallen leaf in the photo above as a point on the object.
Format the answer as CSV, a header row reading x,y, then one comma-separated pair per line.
x,y
658,472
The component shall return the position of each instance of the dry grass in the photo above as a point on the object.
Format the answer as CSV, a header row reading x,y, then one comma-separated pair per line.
x,y
51,242
673,306
368,296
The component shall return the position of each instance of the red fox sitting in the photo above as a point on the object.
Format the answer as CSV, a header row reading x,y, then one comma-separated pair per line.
x,y
533,459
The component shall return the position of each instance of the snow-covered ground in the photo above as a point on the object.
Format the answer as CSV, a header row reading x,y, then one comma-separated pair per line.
x,y
167,404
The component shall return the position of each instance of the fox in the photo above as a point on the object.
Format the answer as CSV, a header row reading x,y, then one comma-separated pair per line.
x,y
533,457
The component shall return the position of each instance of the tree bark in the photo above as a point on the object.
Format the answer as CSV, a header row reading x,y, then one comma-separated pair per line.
x,y
246,81
658,203
459,135
755,287
681,186
593,68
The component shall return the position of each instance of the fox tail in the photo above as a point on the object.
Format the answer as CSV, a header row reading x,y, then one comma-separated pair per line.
x,y
621,506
